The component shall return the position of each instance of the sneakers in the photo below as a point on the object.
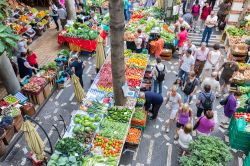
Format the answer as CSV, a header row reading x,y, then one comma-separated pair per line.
x,y
167,130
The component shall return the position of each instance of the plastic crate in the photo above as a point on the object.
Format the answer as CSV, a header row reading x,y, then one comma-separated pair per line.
x,y
239,147
246,162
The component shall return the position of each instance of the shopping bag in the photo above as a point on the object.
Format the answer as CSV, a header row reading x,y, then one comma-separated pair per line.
x,y
241,124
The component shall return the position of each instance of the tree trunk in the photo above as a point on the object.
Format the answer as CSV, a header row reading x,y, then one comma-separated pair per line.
x,y
116,11
7,75
71,9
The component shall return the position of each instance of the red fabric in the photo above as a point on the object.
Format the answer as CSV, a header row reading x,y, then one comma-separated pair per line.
x,y
205,12
87,45
159,47
32,59
103,35
182,38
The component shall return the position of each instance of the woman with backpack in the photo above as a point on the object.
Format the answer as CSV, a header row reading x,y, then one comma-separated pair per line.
x,y
174,103
195,13
158,75
205,125
189,87
205,100
183,117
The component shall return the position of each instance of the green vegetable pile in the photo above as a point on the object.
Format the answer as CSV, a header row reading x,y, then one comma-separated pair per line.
x,y
207,151
79,30
85,123
114,130
233,31
58,159
97,159
140,101
65,53
14,112
242,100
50,65
119,115
139,113
167,37
95,108
70,147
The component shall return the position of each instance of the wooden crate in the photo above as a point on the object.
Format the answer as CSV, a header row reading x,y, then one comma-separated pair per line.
x,y
9,135
2,148
47,91
166,58
28,110
38,98
166,53
17,122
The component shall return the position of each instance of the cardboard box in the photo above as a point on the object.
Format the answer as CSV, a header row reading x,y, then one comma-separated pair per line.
x,y
17,122
47,91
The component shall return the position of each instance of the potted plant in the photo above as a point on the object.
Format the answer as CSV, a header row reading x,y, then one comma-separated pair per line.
x,y
208,151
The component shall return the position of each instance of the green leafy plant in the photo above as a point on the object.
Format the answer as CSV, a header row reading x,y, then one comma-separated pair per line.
x,y
4,9
207,151
8,40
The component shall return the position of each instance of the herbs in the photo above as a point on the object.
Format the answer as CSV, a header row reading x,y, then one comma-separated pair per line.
x,y
233,31
209,151
139,113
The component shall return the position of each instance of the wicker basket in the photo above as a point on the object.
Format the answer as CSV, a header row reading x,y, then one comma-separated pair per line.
x,y
239,49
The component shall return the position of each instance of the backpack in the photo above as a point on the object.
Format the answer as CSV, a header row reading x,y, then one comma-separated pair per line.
x,y
161,74
188,89
207,104
196,9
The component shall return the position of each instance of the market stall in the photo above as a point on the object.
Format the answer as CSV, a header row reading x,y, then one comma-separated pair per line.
x,y
100,128
79,36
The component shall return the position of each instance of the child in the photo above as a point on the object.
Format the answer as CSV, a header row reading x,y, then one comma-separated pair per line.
x,y
183,116
195,13
185,137
31,58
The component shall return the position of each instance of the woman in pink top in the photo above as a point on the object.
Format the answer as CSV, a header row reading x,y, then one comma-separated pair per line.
x,y
182,38
206,124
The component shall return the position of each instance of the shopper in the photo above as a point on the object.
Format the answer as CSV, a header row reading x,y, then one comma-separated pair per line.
x,y
215,85
24,67
152,99
223,11
210,23
126,9
158,75
130,9
206,10
229,68
149,3
53,13
206,124
189,45
100,54
32,59
174,103
195,13
159,46
77,68
188,17
181,23
205,100
185,138
62,16
200,57
213,61
190,87
184,3
230,107
212,3
186,65
139,41
182,38
21,46
178,83
183,117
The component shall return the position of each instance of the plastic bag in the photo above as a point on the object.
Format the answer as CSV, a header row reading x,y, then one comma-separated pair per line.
x,y
241,124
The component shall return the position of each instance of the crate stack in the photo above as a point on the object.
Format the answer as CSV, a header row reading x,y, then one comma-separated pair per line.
x,y
246,162
238,139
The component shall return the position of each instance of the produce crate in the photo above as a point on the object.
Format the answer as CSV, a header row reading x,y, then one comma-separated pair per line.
x,y
28,110
17,122
2,148
133,146
9,135
74,47
140,127
38,98
246,162
47,90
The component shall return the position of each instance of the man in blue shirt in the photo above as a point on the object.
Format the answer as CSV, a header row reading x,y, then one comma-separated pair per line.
x,y
154,99
77,68
126,9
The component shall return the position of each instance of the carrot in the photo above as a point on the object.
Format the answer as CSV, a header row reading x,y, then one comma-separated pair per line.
x,y
134,135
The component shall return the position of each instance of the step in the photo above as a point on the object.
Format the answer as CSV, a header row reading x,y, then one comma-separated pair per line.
x,y
200,35
209,44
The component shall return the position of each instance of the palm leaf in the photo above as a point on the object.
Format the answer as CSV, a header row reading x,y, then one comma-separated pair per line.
x,y
2,47
10,42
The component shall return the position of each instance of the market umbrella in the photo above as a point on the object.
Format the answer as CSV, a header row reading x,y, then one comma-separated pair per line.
x,y
99,53
33,140
79,92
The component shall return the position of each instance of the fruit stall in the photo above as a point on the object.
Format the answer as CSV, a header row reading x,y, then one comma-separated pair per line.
x,y
239,128
80,37
28,22
99,132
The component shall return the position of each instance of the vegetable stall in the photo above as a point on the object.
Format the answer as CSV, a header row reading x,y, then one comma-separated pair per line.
x,y
99,129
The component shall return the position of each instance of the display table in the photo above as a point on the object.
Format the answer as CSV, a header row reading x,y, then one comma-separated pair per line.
x,y
77,44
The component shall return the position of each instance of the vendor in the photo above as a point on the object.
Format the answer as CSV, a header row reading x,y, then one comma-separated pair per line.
x,y
93,18
24,66
154,99
77,68
159,46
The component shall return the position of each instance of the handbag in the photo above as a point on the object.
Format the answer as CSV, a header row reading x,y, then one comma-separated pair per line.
x,y
224,101
197,123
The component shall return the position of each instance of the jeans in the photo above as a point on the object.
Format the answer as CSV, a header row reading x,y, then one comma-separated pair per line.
x,y
183,75
187,98
157,84
55,18
184,3
206,34
63,23
126,14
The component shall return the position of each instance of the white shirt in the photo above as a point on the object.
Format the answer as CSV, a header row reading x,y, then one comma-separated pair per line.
x,y
62,13
211,21
185,48
174,101
187,62
184,139
215,85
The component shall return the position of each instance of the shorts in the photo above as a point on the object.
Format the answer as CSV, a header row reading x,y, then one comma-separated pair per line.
x,y
173,114
179,125
196,18
224,81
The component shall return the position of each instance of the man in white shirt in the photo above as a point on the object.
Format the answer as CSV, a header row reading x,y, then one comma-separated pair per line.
x,y
189,45
215,85
187,65
159,67
210,23
182,23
